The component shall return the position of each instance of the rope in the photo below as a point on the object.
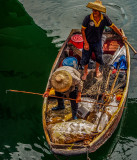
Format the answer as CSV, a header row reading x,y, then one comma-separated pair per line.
x,y
88,158
108,80
59,158
70,148
56,156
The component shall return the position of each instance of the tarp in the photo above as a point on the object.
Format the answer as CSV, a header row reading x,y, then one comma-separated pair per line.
x,y
122,64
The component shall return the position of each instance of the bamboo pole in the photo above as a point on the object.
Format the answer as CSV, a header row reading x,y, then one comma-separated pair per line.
x,y
135,52
59,97
113,85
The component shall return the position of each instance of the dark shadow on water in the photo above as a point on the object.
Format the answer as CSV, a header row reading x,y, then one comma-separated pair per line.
x,y
26,58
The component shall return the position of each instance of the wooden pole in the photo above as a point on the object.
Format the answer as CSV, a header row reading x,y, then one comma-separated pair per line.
x,y
59,97
131,47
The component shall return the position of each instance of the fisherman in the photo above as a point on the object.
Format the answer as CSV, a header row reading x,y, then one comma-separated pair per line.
x,y
92,30
67,83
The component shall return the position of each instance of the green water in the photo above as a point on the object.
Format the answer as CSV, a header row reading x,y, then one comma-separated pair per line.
x,y
26,58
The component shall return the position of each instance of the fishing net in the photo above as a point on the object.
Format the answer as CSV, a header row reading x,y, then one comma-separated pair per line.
x,y
107,58
95,86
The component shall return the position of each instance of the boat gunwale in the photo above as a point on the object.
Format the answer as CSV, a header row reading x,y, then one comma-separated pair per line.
x,y
122,102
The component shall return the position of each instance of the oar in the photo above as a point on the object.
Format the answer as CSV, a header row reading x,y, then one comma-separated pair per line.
x,y
57,97
131,47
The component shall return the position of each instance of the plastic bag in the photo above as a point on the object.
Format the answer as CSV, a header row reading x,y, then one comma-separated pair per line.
x,y
110,109
104,120
121,62
69,132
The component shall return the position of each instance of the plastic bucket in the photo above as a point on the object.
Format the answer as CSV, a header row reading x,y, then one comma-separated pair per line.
x,y
70,61
77,41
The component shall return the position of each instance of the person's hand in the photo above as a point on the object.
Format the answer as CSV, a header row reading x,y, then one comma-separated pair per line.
x,y
124,38
78,99
46,94
86,46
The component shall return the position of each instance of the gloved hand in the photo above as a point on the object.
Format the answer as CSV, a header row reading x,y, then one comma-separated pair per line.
x,y
46,94
78,99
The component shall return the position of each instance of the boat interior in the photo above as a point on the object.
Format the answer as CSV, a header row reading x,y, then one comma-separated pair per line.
x,y
100,96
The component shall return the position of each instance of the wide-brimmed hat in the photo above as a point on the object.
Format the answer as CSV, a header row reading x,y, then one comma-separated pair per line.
x,y
61,81
97,5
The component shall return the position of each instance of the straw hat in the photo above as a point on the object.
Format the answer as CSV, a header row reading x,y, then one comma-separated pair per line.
x,y
61,81
97,5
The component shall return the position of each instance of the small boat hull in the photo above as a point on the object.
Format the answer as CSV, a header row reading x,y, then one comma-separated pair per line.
x,y
76,149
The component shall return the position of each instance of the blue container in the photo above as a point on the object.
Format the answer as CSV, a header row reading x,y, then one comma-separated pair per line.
x,y
70,61
122,63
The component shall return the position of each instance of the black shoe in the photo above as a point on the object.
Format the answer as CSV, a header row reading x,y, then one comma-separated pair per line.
x,y
58,108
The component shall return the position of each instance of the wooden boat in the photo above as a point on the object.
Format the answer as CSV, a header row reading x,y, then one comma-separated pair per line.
x,y
113,46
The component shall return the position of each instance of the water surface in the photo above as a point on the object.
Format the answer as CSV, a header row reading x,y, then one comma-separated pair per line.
x,y
31,33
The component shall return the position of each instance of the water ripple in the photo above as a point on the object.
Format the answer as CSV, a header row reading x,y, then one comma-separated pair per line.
x,y
61,16
25,152
125,149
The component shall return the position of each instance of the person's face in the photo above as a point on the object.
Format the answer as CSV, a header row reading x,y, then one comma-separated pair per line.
x,y
96,13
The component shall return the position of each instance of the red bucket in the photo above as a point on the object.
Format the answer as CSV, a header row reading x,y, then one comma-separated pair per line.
x,y
77,41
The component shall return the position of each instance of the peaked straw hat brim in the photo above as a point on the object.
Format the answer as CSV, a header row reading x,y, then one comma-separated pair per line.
x,y
97,5
61,81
